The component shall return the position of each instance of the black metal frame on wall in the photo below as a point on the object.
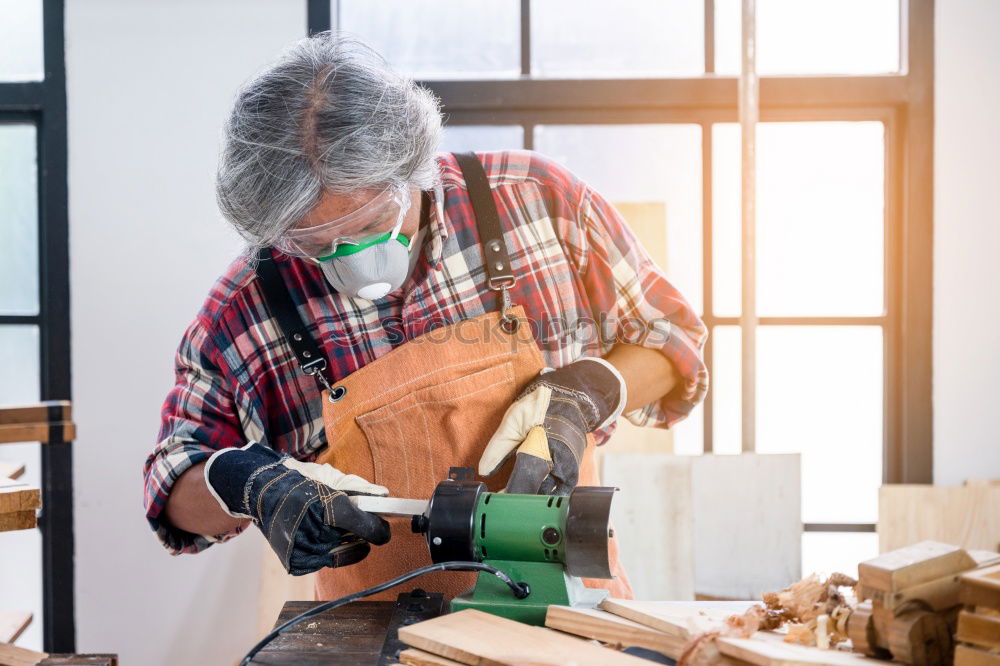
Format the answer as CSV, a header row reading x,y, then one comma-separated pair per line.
x,y
43,104
903,102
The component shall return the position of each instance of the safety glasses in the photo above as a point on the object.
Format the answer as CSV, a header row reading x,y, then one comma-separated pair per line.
x,y
353,232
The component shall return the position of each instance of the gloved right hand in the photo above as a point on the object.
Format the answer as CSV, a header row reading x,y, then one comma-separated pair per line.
x,y
302,508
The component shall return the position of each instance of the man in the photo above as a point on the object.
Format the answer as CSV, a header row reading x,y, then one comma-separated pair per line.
x,y
399,312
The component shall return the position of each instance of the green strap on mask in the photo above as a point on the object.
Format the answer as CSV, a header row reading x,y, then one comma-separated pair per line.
x,y
346,249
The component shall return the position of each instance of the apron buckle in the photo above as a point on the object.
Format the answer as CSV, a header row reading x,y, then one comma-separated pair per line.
x,y
508,322
501,282
316,368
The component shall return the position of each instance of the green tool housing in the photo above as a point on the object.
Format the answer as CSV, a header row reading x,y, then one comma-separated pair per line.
x,y
548,542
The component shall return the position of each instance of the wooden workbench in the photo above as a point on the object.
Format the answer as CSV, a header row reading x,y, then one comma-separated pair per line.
x,y
352,634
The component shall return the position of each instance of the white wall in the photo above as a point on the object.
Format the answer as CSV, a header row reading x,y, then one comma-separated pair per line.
x,y
149,84
966,241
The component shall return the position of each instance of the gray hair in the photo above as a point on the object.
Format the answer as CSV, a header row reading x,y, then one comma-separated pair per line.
x,y
329,116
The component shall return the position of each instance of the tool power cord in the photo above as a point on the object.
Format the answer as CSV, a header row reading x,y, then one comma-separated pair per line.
x,y
520,590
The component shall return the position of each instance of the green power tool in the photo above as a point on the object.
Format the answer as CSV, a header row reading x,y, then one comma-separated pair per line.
x,y
548,542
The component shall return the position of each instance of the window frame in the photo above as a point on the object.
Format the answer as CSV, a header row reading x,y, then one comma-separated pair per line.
x,y
903,102
43,104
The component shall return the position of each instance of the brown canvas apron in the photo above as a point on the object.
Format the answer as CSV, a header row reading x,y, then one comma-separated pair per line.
x,y
430,404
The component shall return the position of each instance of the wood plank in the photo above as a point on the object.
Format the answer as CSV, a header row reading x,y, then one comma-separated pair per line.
x,y
36,413
967,516
17,496
18,520
978,629
609,628
719,553
13,624
11,470
912,565
11,655
481,639
677,619
735,558
652,513
415,657
36,432
970,656
981,587
769,649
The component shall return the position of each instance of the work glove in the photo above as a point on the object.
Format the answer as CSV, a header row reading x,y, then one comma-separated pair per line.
x,y
546,427
302,508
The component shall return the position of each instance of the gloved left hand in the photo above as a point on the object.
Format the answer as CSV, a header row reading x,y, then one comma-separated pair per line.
x,y
546,427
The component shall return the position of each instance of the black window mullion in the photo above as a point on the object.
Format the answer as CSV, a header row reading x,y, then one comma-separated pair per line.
x,y
20,320
319,15
56,518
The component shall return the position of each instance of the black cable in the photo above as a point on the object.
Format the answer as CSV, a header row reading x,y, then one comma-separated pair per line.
x,y
520,590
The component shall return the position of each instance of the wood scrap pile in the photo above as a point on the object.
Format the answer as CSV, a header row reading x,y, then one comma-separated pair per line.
x,y
909,602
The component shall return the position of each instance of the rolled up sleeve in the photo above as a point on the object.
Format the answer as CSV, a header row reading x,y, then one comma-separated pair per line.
x,y
634,303
197,419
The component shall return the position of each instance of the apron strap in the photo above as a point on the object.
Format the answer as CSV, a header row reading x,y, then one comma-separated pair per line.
x,y
307,351
496,260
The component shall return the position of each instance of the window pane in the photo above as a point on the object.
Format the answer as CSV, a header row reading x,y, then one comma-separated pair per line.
x,y
21,40
18,220
812,36
727,259
828,552
460,138
19,384
819,393
820,218
632,38
440,38
643,164
727,371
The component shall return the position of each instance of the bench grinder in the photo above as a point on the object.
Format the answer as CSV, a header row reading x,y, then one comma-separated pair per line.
x,y
546,541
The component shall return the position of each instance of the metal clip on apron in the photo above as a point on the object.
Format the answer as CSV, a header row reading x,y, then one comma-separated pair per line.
x,y
403,420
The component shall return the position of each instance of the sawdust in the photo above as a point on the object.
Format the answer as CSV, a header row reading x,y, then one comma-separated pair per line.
x,y
814,610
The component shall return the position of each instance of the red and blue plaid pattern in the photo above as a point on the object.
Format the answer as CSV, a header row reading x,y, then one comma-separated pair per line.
x,y
583,279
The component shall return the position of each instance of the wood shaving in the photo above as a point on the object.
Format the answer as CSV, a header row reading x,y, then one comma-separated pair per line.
x,y
798,606
804,601
800,634
702,650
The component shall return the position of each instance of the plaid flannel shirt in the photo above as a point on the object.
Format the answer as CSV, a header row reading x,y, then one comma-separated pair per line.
x,y
583,279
